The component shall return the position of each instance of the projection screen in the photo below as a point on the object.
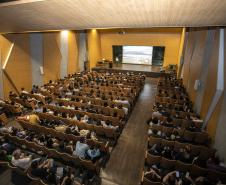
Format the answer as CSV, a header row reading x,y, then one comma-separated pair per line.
x,y
137,55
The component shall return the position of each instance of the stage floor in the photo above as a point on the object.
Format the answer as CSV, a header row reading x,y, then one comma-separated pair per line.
x,y
152,71
136,67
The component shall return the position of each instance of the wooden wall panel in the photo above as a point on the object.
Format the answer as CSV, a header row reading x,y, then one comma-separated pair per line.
x,y
52,56
219,110
196,62
72,53
18,66
187,57
94,47
213,122
211,77
171,41
5,47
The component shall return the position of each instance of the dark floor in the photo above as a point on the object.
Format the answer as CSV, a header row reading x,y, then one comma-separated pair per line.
x,y
127,159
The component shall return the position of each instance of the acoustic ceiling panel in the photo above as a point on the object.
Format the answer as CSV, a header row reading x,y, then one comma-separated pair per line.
x,y
34,15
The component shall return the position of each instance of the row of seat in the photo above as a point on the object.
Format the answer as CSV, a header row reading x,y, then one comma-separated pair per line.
x,y
11,109
188,136
20,171
108,111
104,146
72,112
110,133
76,161
196,150
195,171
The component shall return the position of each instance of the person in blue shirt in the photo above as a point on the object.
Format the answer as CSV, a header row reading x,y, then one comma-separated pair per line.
x,y
93,153
81,148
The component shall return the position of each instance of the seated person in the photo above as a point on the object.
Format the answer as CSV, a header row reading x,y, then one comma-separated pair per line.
x,y
84,132
72,130
19,159
108,124
81,148
175,136
61,128
85,119
156,114
198,160
166,135
153,175
93,153
167,152
46,169
70,180
156,149
3,155
7,147
1,123
184,155
24,91
154,121
33,119
168,122
170,179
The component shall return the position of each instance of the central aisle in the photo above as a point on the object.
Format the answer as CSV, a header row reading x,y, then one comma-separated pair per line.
x,y
127,159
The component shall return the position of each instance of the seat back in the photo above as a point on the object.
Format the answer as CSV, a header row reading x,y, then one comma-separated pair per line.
x,y
152,159
168,164
148,182
182,167
197,171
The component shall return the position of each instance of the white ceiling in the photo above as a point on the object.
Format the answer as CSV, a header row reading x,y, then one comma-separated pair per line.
x,y
36,15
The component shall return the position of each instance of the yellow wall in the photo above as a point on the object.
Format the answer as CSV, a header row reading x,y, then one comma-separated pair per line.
x,y
51,56
18,67
169,38
72,53
94,47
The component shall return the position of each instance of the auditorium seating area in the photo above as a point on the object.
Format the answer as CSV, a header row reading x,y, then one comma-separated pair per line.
x,y
90,108
178,149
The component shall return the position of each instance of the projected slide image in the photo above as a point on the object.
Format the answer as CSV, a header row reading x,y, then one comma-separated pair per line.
x,y
137,54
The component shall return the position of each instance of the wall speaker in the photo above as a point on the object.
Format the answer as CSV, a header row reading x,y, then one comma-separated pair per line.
x,y
41,70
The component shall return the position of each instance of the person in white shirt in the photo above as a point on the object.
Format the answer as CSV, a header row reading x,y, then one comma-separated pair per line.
x,y
23,91
20,160
81,148
75,118
108,124
85,119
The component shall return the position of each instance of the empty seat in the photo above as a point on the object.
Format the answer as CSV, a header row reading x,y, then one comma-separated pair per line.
x,y
148,182
182,167
153,140
152,159
197,171
201,138
167,164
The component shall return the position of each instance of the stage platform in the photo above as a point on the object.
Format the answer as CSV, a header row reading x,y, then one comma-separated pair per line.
x,y
150,71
